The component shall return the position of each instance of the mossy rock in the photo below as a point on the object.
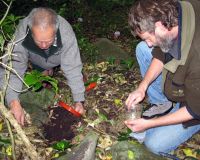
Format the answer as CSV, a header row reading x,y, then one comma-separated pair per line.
x,y
106,49
85,150
132,150
36,103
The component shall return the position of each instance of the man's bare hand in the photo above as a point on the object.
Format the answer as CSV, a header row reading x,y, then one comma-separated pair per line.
x,y
18,112
79,107
138,125
135,97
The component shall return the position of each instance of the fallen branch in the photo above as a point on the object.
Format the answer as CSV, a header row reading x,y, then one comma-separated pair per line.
x,y
31,151
12,139
104,133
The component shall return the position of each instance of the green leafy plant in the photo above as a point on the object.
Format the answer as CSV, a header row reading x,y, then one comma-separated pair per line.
x,y
5,146
62,145
9,25
88,51
7,28
127,63
123,136
35,79
111,60
4,141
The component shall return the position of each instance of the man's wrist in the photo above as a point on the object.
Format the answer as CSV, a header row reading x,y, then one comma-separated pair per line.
x,y
14,103
82,102
143,86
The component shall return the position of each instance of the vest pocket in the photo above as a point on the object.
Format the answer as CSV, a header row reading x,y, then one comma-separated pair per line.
x,y
173,90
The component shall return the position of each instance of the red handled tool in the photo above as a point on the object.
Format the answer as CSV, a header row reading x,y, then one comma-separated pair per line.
x,y
69,108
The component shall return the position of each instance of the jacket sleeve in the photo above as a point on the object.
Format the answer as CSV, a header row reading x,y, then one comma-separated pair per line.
x,y
71,63
19,64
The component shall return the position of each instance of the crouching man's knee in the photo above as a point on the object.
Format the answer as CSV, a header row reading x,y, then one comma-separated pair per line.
x,y
156,146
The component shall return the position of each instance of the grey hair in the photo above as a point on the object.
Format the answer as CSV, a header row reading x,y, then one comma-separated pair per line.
x,y
43,17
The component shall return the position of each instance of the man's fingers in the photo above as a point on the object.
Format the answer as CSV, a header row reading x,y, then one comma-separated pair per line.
x,y
130,101
18,119
129,122
19,116
129,125
80,109
133,99
137,100
22,120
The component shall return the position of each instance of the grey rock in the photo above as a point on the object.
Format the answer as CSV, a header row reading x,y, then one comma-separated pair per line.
x,y
121,150
85,150
107,48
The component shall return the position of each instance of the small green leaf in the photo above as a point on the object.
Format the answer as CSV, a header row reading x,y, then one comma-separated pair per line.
x,y
190,153
102,117
62,145
198,151
37,86
127,63
30,79
131,155
123,136
111,60
9,150
56,155
118,102
4,141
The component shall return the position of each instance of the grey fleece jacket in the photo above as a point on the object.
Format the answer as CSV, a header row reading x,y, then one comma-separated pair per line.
x,y
66,55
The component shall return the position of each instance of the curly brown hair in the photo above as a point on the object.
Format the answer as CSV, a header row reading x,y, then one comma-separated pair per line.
x,y
145,13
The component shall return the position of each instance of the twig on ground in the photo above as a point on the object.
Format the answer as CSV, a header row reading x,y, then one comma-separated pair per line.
x,y
12,139
102,132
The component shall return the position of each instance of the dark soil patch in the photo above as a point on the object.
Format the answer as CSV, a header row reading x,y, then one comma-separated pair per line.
x,y
60,125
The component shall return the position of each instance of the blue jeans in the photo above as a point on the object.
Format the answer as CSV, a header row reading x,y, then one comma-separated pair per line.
x,y
144,58
164,138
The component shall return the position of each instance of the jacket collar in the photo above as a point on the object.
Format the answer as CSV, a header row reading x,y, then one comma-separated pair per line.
x,y
187,33
30,45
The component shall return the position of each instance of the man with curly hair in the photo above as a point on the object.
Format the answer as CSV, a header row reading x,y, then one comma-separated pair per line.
x,y
168,57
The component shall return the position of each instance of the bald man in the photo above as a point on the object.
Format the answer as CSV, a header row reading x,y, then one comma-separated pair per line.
x,y
46,40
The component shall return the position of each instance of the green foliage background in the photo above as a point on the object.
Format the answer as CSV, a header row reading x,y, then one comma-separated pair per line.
x,y
99,19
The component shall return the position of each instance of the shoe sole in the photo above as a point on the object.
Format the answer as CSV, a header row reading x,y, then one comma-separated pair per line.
x,y
157,115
